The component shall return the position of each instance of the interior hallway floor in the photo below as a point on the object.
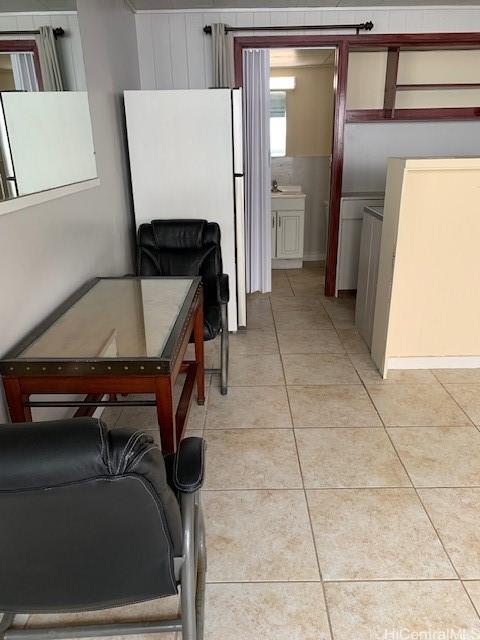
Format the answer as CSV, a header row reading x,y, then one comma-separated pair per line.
x,y
338,506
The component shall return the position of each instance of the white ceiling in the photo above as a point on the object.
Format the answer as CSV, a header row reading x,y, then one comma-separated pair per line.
x,y
301,57
146,5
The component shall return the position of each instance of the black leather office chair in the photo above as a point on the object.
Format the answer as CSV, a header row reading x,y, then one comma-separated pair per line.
x,y
92,519
190,248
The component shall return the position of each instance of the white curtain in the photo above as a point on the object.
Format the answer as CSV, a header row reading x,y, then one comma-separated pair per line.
x,y
49,63
24,75
222,55
256,91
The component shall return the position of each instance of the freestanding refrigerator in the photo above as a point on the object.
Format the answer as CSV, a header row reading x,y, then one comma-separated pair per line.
x,y
186,161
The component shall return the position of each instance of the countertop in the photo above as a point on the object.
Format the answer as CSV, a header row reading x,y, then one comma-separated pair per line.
x,y
287,194
355,195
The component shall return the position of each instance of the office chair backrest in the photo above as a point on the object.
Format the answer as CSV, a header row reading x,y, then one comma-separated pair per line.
x,y
179,247
88,519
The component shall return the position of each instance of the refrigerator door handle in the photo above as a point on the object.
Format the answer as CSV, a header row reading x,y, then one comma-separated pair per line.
x,y
237,125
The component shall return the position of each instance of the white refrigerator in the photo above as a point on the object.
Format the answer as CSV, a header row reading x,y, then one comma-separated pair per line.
x,y
186,161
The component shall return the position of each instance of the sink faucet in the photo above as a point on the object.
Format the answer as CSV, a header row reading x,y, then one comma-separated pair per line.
x,y
275,188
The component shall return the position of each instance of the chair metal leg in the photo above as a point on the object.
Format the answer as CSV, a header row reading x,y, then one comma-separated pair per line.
x,y
6,622
201,550
188,578
224,351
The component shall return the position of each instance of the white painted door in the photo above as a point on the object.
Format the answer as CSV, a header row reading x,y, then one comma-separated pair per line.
x,y
289,234
181,160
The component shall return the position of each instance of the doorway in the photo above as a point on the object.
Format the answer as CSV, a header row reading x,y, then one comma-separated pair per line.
x,y
301,128
339,45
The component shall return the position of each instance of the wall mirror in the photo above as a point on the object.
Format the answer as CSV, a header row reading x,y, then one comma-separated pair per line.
x,y
45,130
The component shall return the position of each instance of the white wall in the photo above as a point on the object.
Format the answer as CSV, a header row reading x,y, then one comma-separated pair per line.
x,y
174,53
369,145
48,251
69,47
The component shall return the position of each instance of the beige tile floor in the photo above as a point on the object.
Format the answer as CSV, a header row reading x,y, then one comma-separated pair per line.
x,y
339,506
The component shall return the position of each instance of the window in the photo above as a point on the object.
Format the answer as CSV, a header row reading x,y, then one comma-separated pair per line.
x,y
282,83
278,124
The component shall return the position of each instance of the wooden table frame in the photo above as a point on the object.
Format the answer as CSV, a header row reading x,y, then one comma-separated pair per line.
x,y
22,378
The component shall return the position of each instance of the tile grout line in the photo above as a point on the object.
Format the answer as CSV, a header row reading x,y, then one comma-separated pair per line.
x,y
353,488
312,533
437,533
415,489
444,385
421,502
472,424
327,612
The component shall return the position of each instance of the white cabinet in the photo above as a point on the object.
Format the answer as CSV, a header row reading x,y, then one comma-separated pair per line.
x,y
349,233
368,271
288,213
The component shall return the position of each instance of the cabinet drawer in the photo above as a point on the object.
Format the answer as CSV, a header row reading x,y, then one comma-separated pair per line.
x,y
285,203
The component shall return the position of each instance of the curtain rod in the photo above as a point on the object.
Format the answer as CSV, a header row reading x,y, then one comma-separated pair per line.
x,y
363,26
58,32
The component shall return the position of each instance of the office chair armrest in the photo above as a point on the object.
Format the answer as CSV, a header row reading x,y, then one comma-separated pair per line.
x,y
223,288
189,463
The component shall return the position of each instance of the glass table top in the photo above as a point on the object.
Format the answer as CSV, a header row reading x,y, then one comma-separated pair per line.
x,y
116,318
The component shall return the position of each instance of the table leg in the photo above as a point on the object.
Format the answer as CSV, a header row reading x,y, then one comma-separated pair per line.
x,y
166,413
15,401
199,354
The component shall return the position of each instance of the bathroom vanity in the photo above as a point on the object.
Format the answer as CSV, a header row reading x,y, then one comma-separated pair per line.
x,y
288,215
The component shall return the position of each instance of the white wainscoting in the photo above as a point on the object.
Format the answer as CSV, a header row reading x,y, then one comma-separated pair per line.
x,y
174,53
69,46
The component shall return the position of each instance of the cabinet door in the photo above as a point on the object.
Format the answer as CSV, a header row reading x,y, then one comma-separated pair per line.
x,y
367,276
289,234
274,234
349,233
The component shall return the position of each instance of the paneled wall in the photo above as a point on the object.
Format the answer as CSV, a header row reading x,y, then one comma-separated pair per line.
x,y
69,47
174,53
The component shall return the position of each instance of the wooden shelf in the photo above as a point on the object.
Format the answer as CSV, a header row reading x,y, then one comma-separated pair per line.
x,y
441,86
419,115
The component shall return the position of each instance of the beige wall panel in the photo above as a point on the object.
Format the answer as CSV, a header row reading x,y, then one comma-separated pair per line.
x,y
433,67
309,110
366,79
438,98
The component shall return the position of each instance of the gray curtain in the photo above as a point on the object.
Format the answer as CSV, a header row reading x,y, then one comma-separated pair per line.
x,y
256,92
49,63
222,55
24,75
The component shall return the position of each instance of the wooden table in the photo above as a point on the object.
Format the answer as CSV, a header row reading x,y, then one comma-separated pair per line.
x,y
114,337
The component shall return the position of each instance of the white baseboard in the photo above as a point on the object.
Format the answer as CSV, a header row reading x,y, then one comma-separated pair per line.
x,y
314,257
435,362
287,264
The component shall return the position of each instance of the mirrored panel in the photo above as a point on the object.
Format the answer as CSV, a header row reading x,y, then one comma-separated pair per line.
x,y
45,130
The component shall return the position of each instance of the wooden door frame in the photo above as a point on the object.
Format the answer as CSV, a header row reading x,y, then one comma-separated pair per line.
x,y
342,44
